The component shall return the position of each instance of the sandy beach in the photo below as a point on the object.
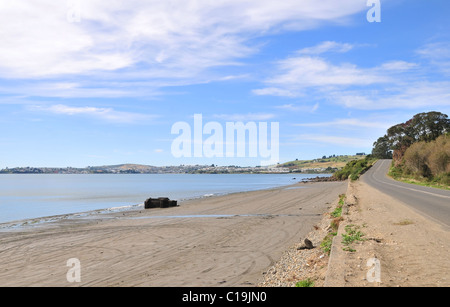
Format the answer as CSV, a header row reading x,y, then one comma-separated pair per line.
x,y
226,240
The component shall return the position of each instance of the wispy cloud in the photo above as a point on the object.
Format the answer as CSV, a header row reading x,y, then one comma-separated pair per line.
x,y
397,66
296,75
245,117
391,84
414,95
354,142
168,42
296,108
328,46
80,89
106,114
347,122
438,54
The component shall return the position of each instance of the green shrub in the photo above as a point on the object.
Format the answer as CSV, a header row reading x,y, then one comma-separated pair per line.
x,y
354,169
305,283
426,163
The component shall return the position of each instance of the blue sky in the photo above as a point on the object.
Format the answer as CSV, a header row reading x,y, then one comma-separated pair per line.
x,y
107,88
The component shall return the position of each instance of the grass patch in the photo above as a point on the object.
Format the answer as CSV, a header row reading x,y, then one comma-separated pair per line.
x,y
326,243
307,283
338,211
422,182
352,234
400,174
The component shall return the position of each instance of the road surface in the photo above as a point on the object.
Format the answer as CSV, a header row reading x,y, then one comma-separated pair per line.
x,y
431,202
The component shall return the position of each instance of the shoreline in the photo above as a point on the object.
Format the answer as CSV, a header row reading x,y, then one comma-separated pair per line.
x,y
37,221
225,240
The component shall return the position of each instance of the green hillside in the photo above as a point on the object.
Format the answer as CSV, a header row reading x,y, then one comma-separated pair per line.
x,y
331,163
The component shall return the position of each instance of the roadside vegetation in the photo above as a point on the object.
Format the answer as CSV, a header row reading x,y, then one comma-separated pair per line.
x,y
338,211
426,163
352,234
307,283
420,149
354,169
336,216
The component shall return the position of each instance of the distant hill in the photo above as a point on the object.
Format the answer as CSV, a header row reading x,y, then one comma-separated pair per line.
x,y
126,167
320,164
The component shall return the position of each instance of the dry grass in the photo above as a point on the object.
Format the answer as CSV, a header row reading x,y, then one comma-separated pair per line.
x,y
404,223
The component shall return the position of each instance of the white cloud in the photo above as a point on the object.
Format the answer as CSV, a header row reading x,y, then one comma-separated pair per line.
x,y
107,114
245,117
69,89
274,91
397,66
391,84
415,95
37,40
438,54
328,46
298,74
296,108
147,40
347,122
435,51
337,140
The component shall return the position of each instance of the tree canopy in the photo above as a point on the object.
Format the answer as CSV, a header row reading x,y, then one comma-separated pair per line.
x,y
422,127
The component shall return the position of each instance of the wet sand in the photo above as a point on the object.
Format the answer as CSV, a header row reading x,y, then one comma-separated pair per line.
x,y
217,241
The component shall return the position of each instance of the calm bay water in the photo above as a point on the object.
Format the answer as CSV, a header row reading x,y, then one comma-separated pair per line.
x,y
26,196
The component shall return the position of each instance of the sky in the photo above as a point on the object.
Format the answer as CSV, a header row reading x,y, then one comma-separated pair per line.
x,y
90,82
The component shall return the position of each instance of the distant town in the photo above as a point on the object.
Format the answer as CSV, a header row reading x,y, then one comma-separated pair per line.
x,y
145,169
326,164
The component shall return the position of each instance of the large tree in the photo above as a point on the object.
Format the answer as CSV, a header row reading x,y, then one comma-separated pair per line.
x,y
382,149
429,126
422,127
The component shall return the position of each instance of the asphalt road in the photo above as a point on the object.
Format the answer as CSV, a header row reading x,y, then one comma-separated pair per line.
x,y
430,202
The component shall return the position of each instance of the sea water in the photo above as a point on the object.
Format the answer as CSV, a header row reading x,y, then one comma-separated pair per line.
x,y
27,196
